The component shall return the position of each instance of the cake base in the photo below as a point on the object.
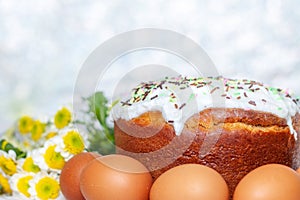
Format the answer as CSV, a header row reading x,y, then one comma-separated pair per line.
x,y
231,141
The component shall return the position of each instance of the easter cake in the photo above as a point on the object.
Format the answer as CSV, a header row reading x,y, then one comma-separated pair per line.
x,y
232,126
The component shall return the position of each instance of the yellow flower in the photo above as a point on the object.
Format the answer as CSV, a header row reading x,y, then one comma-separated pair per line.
x,y
4,143
4,185
25,124
51,135
73,142
26,144
37,130
23,185
29,165
54,159
62,118
47,188
8,166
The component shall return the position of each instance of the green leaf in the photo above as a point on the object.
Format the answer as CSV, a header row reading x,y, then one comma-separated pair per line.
x,y
113,104
6,146
98,104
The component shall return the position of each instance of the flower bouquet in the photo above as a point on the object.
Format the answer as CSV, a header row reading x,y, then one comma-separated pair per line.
x,y
34,151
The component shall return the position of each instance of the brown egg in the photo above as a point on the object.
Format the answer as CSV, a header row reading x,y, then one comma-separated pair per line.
x,y
70,175
273,181
298,170
115,177
189,182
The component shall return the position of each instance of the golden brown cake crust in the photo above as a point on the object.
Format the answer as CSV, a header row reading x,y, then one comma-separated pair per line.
x,y
237,141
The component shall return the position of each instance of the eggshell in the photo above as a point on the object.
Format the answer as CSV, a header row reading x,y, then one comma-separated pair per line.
x,y
115,177
298,170
189,182
70,175
269,182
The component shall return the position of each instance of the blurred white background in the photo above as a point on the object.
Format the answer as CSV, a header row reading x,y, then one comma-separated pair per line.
x,y
44,43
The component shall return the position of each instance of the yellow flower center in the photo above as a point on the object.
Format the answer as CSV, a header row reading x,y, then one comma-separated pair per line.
x,y
54,159
51,135
26,144
73,142
37,130
47,188
25,124
62,118
29,165
4,143
23,185
8,166
4,185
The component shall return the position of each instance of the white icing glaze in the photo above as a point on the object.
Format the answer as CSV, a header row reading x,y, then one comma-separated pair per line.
x,y
180,97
